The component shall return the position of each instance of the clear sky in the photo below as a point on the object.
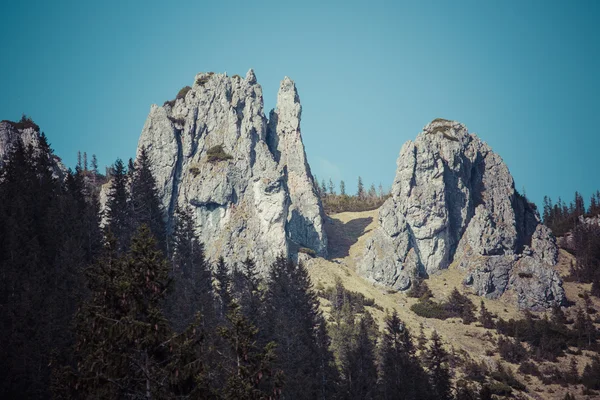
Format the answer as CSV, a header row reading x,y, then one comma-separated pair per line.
x,y
523,75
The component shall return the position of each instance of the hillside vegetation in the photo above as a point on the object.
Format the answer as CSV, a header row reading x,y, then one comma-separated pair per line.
x,y
481,355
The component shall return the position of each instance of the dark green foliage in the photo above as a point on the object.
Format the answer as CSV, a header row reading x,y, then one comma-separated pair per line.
x,y
485,393
436,363
511,350
504,375
249,374
529,368
358,370
184,90
336,203
338,295
146,207
48,231
202,81
476,371
591,374
552,375
293,320
247,291
548,339
125,347
428,308
180,95
500,389
216,154
118,216
419,289
464,391
400,374
486,318
223,287
562,217
457,305
586,239
192,278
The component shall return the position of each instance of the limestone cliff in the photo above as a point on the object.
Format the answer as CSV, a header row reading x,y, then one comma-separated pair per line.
x,y
453,200
246,178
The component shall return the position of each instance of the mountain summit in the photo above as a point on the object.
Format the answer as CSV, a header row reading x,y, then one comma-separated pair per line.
x,y
246,178
454,201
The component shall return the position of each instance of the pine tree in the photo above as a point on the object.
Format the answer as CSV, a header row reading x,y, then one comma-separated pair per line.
x,y
400,373
192,278
250,374
85,162
125,347
293,318
94,164
118,215
331,187
372,192
42,251
342,188
327,373
359,373
361,189
145,203
323,188
246,289
223,288
485,317
439,376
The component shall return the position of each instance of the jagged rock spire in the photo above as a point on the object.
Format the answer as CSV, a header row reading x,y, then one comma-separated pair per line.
x,y
209,151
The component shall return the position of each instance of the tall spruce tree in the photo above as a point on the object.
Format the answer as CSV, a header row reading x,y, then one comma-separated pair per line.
x,y
223,288
43,247
192,279
125,347
401,375
439,376
146,207
359,372
118,215
293,316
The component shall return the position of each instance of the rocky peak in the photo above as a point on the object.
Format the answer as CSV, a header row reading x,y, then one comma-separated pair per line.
x,y
305,217
453,201
251,196
28,133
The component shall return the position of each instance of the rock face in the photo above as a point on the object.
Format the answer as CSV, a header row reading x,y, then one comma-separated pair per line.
x,y
245,178
453,200
28,133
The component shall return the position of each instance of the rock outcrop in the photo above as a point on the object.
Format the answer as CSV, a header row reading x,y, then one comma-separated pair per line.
x,y
28,133
453,200
245,178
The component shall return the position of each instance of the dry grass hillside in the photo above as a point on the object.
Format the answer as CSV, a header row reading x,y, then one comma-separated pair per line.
x,y
347,233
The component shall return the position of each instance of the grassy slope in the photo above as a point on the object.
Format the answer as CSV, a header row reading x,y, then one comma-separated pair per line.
x,y
347,234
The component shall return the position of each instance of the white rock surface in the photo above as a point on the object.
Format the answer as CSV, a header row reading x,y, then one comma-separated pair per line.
x,y
453,199
258,203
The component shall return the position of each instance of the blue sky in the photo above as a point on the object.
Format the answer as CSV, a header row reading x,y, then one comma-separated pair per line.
x,y
523,75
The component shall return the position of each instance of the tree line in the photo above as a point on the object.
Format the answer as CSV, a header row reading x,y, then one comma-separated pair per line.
x,y
131,310
363,200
